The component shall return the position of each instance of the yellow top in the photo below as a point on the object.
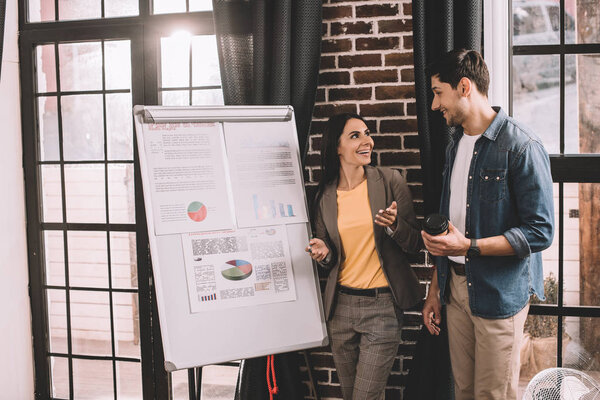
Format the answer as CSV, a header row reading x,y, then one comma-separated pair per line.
x,y
361,268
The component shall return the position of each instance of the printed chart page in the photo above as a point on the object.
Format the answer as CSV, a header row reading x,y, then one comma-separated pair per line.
x,y
265,175
188,177
238,268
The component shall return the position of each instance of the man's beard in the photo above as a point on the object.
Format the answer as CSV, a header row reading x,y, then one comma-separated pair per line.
x,y
455,120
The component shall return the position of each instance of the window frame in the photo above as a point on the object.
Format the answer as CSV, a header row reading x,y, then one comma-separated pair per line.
x,y
566,168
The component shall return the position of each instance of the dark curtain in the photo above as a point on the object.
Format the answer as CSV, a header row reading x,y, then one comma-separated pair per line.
x,y
438,27
2,15
269,52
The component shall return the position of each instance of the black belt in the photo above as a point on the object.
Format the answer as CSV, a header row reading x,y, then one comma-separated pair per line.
x,y
459,269
363,292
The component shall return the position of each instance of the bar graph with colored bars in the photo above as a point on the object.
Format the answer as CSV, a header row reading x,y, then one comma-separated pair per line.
x,y
271,209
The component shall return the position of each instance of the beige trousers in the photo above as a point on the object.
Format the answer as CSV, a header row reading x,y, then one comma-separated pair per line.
x,y
485,353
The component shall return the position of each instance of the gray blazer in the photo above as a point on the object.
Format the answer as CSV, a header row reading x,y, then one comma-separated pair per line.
x,y
384,186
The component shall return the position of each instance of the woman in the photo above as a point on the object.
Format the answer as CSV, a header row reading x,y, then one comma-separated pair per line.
x,y
364,223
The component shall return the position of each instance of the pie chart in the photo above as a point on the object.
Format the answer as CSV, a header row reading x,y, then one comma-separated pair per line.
x,y
236,270
197,211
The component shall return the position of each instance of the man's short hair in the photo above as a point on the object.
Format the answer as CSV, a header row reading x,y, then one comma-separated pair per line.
x,y
461,63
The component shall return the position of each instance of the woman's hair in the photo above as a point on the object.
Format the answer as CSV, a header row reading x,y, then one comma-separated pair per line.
x,y
330,160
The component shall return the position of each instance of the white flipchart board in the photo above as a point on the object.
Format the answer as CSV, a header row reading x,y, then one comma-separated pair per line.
x,y
205,337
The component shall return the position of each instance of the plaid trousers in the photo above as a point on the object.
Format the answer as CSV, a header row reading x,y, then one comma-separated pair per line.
x,y
365,334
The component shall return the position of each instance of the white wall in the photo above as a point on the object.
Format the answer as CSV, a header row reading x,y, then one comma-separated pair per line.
x,y
16,360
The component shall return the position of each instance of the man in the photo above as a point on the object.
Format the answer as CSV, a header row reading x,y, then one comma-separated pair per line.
x,y
497,193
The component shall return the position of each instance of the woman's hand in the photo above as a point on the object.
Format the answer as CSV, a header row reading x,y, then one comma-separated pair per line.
x,y
317,249
387,217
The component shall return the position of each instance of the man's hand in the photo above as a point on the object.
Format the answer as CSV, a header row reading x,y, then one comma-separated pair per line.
x,y
387,217
432,313
453,243
317,249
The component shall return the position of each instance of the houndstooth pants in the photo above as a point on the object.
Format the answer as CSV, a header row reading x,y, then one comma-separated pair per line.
x,y
364,333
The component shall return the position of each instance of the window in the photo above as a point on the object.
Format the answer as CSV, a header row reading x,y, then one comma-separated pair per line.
x,y
552,57
84,65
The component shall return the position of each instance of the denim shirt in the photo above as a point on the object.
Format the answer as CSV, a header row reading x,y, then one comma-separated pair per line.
x,y
509,193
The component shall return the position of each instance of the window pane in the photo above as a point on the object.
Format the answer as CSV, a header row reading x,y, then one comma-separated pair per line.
x,y
80,66
218,381
179,384
45,68
54,256
123,260
532,24
119,126
581,345
201,5
127,324
85,193
582,244
120,8
92,379
175,60
78,9
205,61
83,128
536,97
207,97
51,193
48,128
57,321
582,100
41,10
129,380
538,350
176,98
581,22
550,262
168,6
121,193
117,64
88,259
90,324
59,368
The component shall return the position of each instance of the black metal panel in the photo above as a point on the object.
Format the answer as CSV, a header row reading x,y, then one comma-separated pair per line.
x,y
575,168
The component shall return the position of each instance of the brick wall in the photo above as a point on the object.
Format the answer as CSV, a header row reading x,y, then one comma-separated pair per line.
x,y
367,68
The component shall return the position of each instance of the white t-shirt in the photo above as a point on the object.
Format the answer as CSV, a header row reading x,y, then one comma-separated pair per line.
x,y
458,186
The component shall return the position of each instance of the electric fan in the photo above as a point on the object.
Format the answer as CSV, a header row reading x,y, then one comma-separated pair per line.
x,y
562,384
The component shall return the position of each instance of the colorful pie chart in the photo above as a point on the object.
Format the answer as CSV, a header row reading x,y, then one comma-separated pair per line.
x,y
197,211
236,270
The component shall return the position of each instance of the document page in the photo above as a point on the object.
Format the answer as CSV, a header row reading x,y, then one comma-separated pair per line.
x,y
238,268
189,180
264,165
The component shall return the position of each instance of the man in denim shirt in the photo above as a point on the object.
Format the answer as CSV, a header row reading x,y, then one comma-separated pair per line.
x,y
497,193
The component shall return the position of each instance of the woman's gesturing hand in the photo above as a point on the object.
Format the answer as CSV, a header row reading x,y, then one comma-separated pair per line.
x,y
317,249
387,217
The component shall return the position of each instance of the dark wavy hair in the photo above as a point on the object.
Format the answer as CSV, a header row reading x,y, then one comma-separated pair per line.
x,y
330,160
458,64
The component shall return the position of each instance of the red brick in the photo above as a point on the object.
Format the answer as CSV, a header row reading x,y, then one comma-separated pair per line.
x,y
395,92
350,94
315,143
360,60
417,194
398,125
316,177
407,42
334,78
336,12
327,62
407,75
351,28
371,43
410,335
411,108
415,176
412,141
423,273
334,46
407,9
383,75
382,110
395,25
320,97
312,160
376,10
400,59
323,29
400,158
387,142
327,110
318,127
